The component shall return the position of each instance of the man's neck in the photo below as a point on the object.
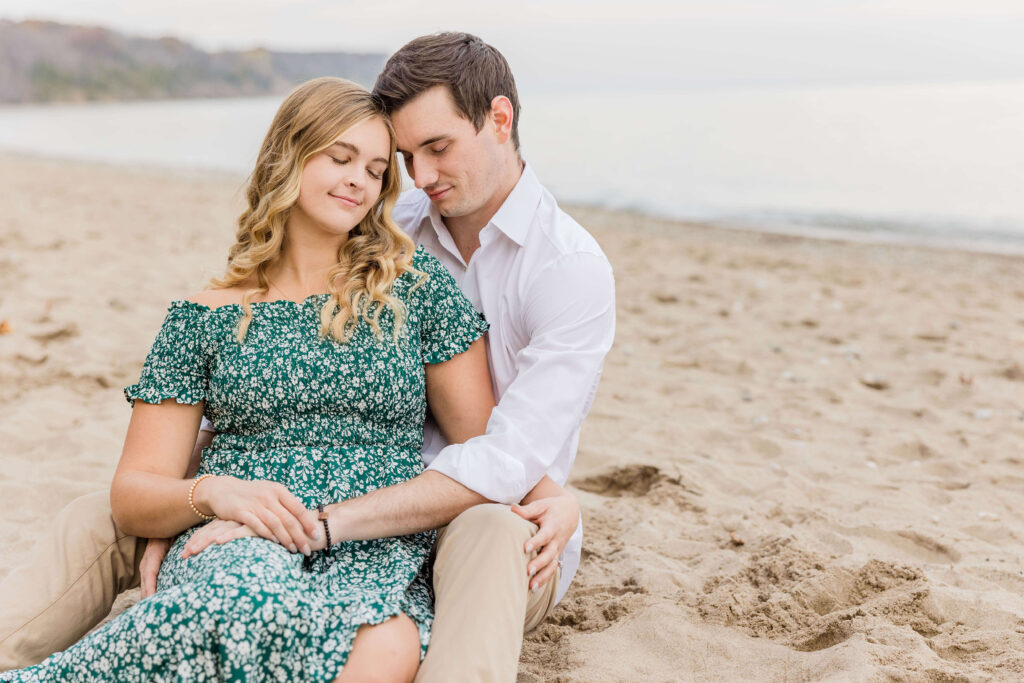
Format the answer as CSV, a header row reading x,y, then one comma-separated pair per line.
x,y
465,230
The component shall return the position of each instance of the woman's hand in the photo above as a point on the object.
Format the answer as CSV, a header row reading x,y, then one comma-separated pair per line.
x,y
218,531
221,531
265,507
149,567
557,517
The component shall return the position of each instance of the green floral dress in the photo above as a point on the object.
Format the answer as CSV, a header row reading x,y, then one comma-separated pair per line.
x,y
329,421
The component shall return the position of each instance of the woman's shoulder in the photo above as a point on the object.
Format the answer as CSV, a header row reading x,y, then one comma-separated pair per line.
x,y
428,267
212,299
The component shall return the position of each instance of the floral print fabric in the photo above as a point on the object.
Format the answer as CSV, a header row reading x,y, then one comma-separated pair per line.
x,y
330,421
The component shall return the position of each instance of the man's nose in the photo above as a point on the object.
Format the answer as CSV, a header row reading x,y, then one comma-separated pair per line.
x,y
423,174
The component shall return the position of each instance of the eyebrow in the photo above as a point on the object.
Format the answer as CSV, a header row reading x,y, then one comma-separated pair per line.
x,y
428,141
355,150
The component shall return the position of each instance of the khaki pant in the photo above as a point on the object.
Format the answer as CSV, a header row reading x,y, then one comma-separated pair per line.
x,y
483,605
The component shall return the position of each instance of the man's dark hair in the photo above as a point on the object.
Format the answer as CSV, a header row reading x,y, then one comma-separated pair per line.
x,y
473,71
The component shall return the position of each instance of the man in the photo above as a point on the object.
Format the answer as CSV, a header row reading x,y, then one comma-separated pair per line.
x,y
547,291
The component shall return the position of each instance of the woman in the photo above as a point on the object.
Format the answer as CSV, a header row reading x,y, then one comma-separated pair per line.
x,y
314,356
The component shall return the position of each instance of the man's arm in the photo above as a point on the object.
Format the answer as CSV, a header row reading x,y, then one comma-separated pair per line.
x,y
461,398
570,314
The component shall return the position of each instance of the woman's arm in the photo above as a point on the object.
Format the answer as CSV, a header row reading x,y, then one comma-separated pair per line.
x,y
149,498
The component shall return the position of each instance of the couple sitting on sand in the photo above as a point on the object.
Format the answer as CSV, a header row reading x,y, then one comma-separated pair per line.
x,y
303,518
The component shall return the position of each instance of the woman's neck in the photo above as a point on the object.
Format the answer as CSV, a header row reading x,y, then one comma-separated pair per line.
x,y
305,260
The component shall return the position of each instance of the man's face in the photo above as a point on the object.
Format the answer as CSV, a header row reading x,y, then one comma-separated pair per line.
x,y
458,167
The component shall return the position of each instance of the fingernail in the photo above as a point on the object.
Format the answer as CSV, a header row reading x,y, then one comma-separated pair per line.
x,y
533,589
316,534
306,551
529,547
292,546
533,571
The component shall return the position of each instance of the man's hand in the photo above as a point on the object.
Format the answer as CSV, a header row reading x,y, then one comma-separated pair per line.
x,y
557,518
149,568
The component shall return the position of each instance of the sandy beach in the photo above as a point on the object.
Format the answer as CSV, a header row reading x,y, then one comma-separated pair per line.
x,y
804,462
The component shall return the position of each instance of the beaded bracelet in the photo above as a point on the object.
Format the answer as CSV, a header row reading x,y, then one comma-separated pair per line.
x,y
192,502
323,518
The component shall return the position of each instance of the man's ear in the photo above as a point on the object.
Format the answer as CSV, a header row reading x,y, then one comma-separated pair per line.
x,y
502,118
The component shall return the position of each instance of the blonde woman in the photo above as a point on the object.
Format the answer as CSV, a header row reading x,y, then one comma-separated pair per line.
x,y
314,356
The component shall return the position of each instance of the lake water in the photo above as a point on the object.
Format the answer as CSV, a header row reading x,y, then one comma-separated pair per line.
x,y
930,162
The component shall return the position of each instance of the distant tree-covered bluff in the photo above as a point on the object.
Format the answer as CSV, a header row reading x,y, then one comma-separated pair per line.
x,y
42,61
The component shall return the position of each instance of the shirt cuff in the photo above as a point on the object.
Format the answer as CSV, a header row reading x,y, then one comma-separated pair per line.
x,y
498,478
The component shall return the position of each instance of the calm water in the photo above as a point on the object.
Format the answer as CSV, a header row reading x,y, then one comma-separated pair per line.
x,y
920,162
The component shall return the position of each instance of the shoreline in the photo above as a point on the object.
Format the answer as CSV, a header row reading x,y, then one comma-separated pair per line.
x,y
803,460
917,240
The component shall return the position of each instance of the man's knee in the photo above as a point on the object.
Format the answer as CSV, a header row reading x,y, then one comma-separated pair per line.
x,y
492,521
91,512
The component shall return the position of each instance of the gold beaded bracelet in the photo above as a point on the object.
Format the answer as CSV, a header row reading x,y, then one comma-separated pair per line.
x,y
191,501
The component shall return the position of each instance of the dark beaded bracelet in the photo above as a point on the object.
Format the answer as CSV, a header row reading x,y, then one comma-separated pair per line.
x,y
327,531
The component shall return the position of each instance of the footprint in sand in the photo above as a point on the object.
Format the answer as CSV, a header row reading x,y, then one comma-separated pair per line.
x,y
592,609
808,603
633,481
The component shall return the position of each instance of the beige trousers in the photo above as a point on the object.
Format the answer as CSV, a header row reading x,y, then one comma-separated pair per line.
x,y
76,571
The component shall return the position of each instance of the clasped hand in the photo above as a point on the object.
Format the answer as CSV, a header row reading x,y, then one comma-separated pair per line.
x,y
267,508
557,518
243,508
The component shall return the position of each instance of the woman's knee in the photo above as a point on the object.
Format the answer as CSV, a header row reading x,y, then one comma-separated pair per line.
x,y
384,653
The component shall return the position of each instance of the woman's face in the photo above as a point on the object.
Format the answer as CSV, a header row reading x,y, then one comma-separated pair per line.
x,y
340,185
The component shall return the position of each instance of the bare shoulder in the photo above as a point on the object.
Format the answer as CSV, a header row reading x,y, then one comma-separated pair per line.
x,y
216,298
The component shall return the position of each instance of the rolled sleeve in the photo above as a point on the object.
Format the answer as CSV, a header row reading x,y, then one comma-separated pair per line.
x,y
569,317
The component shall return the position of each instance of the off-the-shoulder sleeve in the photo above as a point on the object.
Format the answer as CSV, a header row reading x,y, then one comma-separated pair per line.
x,y
178,364
448,321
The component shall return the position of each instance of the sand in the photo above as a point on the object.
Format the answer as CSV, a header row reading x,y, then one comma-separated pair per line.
x,y
804,462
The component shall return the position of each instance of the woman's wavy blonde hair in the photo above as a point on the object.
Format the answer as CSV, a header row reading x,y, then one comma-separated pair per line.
x,y
376,252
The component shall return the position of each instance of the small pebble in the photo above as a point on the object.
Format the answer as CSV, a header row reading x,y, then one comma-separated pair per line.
x,y
760,419
747,396
872,464
983,414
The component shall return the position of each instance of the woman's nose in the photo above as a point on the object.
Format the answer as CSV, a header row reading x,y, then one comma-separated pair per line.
x,y
357,179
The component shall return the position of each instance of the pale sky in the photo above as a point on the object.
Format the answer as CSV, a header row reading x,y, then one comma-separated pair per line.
x,y
572,44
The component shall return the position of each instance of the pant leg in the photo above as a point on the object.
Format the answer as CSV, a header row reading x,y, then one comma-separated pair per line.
x,y
482,598
72,576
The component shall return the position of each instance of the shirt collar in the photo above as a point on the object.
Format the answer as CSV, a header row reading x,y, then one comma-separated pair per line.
x,y
515,215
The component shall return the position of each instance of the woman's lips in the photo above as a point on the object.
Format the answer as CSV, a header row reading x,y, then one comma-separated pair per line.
x,y
347,201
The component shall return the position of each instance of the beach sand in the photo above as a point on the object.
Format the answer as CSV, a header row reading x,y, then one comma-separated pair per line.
x,y
804,462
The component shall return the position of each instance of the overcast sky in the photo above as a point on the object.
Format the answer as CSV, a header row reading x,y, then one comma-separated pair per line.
x,y
554,44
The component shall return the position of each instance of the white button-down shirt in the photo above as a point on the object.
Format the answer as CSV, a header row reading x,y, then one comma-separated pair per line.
x,y
546,288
